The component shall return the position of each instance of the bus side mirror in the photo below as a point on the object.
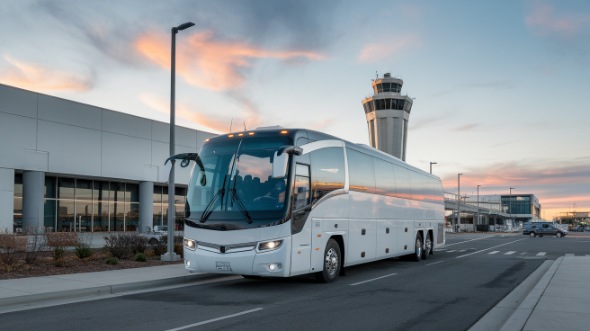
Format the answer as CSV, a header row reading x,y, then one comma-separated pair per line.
x,y
279,165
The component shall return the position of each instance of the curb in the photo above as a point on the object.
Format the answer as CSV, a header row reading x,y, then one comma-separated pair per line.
x,y
100,290
505,310
525,309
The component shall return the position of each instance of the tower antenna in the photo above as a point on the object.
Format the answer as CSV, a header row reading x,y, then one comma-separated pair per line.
x,y
230,123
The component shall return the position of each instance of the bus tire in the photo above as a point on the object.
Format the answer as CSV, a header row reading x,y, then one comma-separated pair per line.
x,y
331,263
418,250
427,247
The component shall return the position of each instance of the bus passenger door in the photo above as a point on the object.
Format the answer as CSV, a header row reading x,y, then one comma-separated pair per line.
x,y
301,225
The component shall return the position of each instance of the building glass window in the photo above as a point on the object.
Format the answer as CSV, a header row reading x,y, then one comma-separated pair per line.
x,y
18,204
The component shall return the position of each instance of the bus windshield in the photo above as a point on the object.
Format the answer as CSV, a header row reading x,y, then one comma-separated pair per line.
x,y
237,190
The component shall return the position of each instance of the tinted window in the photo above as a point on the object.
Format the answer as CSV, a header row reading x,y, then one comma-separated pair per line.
x,y
302,189
384,180
327,171
361,172
402,183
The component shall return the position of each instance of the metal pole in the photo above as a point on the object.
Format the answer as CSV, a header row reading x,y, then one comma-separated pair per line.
x,y
431,163
458,202
477,215
171,255
510,205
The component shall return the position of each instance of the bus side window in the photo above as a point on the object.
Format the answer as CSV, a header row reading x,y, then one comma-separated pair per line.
x,y
302,187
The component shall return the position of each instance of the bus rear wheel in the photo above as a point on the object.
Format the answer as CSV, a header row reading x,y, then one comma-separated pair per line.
x,y
427,247
331,263
418,249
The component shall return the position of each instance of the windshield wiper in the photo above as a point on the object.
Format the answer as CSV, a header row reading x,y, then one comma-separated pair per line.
x,y
241,205
209,209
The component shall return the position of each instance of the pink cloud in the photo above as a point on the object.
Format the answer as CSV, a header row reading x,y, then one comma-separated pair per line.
x,y
388,48
212,64
35,77
545,21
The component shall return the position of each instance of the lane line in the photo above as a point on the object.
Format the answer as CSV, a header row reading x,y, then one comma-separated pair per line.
x,y
215,319
370,280
461,242
433,263
510,253
541,253
494,252
483,250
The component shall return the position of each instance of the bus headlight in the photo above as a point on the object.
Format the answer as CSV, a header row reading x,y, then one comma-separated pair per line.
x,y
269,245
190,244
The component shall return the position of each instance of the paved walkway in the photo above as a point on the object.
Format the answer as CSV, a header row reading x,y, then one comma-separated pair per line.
x,y
554,297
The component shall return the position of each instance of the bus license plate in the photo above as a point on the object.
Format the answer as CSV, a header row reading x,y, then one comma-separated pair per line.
x,y
223,266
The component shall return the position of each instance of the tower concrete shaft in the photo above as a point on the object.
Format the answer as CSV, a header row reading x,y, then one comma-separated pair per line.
x,y
387,113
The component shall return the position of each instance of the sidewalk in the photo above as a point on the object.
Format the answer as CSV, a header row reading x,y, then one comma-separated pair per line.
x,y
555,296
15,293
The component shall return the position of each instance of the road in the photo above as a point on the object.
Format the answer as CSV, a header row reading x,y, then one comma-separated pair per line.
x,y
449,291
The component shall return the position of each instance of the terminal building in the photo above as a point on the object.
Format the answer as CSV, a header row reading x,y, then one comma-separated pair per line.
x,y
68,166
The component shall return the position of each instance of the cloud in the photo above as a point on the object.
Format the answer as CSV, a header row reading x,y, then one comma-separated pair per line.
x,y
212,64
466,127
37,78
388,48
543,20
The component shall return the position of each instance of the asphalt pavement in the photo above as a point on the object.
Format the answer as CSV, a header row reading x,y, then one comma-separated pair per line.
x,y
555,296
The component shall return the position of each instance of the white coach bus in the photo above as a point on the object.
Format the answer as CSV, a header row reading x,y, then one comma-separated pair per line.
x,y
277,202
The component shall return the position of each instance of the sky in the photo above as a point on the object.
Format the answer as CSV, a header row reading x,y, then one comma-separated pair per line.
x,y
501,87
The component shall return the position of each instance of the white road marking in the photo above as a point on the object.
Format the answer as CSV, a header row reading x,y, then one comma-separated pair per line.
x,y
483,250
510,253
370,280
435,263
541,253
494,252
216,319
466,241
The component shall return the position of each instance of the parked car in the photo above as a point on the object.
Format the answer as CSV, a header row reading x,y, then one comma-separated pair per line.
x,y
543,229
156,234
578,228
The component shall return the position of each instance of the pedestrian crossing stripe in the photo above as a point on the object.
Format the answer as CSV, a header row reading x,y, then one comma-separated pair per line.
x,y
539,254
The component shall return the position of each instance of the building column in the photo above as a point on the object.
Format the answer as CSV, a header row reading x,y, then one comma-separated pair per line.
x,y
6,200
146,206
33,199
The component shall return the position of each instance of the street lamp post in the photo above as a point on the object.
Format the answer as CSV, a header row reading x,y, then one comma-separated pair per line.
x,y
477,217
171,255
431,163
510,205
458,202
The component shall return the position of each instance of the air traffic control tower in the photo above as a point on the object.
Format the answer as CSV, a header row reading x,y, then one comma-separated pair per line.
x,y
387,113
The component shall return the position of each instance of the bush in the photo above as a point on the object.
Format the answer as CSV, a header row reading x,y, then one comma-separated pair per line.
x,y
83,251
113,261
125,245
36,242
9,245
59,241
140,257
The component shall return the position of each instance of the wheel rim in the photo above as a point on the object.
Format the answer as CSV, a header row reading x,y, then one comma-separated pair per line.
x,y
418,247
332,262
428,247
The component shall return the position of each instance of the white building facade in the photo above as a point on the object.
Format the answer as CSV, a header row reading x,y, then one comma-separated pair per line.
x,y
68,166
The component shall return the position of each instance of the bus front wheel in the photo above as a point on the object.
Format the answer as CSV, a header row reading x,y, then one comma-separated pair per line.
x,y
331,263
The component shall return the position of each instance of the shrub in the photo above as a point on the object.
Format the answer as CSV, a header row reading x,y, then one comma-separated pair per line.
x,y
59,241
9,245
36,242
83,246
113,261
125,245
83,251
140,257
